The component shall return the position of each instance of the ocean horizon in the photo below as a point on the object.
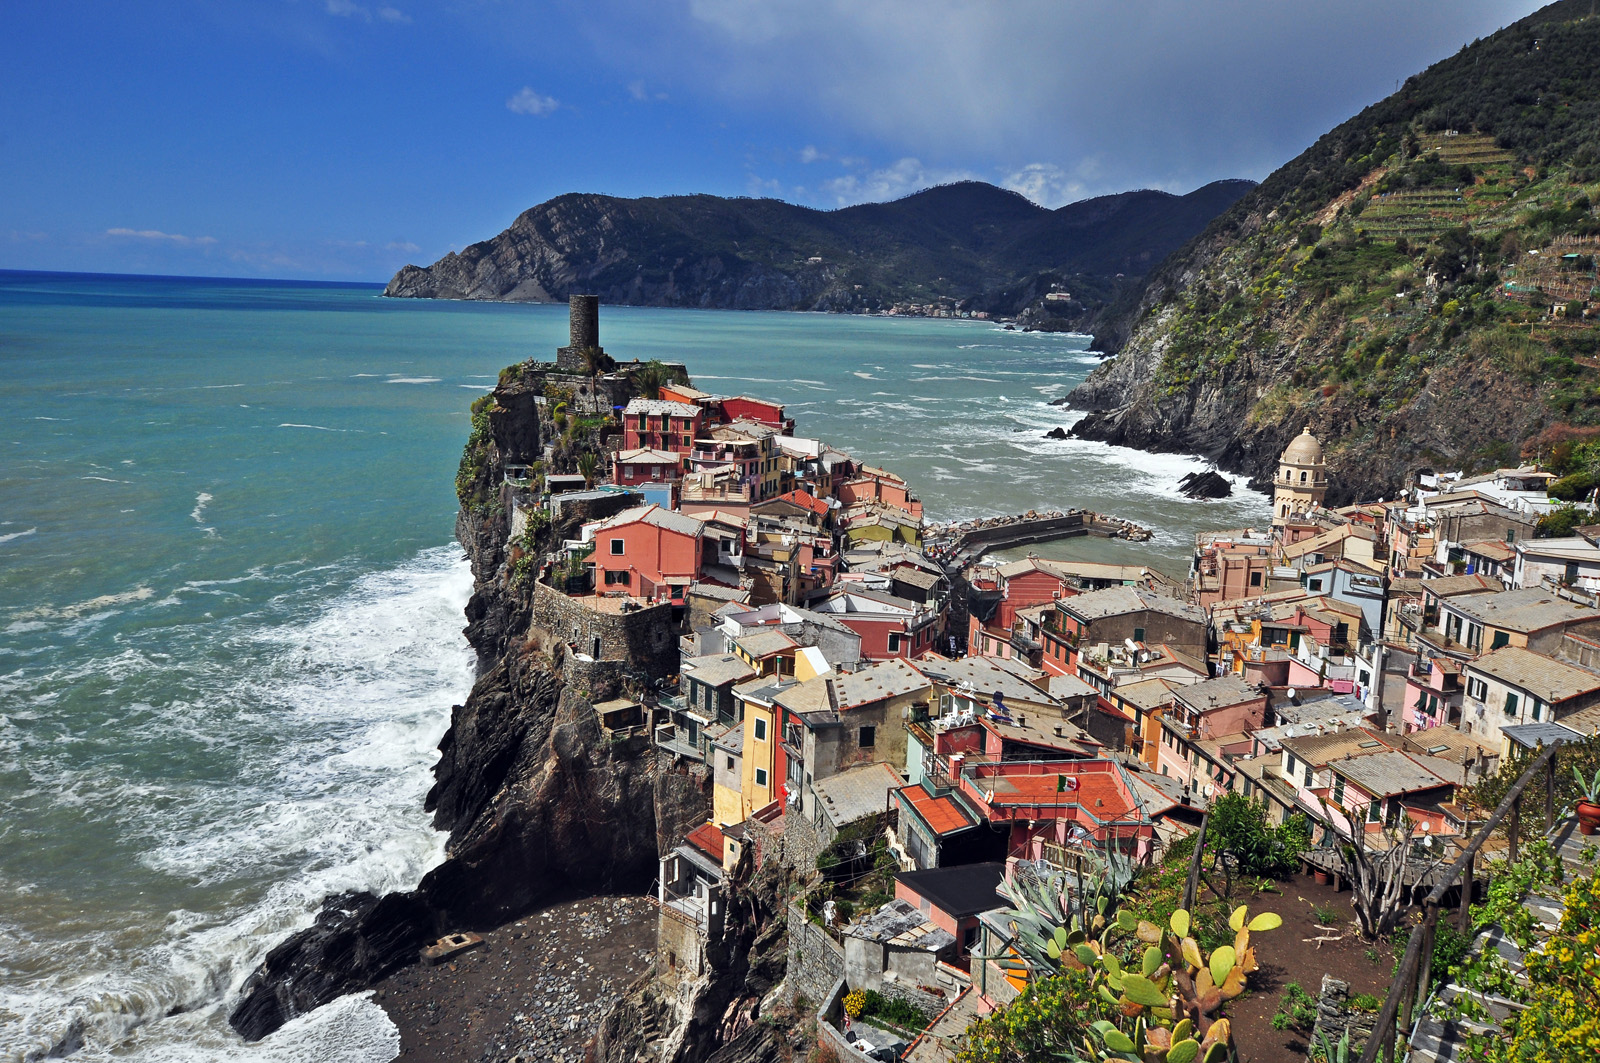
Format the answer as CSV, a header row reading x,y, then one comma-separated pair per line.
x,y
232,602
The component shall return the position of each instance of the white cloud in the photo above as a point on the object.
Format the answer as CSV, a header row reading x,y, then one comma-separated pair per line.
x,y
810,154
1050,185
529,102
899,179
158,236
392,14
347,9
1167,93
402,246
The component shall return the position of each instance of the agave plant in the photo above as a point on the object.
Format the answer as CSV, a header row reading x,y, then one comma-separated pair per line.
x,y
1590,788
1336,1053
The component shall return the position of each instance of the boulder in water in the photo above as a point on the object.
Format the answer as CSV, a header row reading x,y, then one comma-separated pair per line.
x,y
1208,484
1056,433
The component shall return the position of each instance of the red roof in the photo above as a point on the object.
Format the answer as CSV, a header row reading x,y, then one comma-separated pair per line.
x,y
708,839
944,814
807,500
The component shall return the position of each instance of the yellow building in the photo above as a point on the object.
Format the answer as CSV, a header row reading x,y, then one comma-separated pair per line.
x,y
1302,480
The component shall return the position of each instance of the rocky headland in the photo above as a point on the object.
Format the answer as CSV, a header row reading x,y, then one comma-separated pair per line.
x,y
538,802
967,245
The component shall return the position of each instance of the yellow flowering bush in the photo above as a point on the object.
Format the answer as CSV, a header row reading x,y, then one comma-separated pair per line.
x,y
855,1002
1562,1020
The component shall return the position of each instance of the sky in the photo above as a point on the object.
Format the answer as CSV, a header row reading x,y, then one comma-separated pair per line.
x,y
341,139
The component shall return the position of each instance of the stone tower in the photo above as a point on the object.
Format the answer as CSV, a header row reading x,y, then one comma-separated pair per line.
x,y
583,330
1302,479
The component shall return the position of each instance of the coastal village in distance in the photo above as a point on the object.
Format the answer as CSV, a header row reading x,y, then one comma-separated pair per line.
x,y
918,736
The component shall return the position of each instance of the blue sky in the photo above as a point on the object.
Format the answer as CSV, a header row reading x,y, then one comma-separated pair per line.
x,y
340,139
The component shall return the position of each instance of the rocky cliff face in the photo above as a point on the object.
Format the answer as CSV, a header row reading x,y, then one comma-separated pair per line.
x,y
537,803
1361,289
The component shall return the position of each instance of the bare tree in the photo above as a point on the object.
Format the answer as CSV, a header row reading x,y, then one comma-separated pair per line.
x,y
1378,889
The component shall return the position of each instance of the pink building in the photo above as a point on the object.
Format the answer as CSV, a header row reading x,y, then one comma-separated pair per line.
x,y
658,424
632,468
648,552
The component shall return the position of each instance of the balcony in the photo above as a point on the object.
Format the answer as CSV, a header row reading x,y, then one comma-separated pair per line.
x,y
672,739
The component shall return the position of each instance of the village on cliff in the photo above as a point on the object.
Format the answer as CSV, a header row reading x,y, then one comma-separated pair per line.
x,y
846,677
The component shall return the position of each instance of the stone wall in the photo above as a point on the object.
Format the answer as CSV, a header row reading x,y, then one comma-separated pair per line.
x,y
1335,1015
816,961
644,640
801,841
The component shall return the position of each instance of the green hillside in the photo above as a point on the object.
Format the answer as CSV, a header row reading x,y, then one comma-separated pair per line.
x,y
1419,285
968,243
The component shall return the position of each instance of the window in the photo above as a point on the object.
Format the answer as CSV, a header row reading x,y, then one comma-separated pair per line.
x,y
1501,638
869,737
1291,765
1138,634
730,763
894,642
1314,584
761,729
623,577
761,776
1511,704
1308,776
1255,579
1302,477
1535,708
616,547
1477,689
1338,791
1374,811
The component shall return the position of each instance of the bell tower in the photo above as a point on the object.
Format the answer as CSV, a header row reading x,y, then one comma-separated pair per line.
x,y
1302,480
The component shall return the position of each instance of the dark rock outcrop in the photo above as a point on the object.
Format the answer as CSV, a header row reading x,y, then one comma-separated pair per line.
x,y
1056,433
1208,484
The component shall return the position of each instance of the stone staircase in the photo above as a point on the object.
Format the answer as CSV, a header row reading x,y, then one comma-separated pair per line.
x,y
1440,1039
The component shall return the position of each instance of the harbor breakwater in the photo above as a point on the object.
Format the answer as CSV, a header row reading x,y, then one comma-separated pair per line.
x,y
960,543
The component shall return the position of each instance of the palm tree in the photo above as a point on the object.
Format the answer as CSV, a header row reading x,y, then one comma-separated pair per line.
x,y
588,465
595,362
648,378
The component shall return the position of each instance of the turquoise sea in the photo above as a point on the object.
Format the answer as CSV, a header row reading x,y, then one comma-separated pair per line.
x,y
230,604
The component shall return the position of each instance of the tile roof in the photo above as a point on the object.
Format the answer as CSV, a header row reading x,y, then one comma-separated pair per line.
x,y
657,407
886,679
1529,609
1117,601
805,499
1230,689
1319,750
647,456
717,669
1547,678
854,794
1147,694
1392,772
708,839
984,677
765,643
1531,735
656,516
1450,586
944,815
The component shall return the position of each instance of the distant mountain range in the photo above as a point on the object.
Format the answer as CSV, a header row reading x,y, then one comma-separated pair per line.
x,y
980,246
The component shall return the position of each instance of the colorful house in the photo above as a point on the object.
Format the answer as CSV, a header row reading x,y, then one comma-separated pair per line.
x,y
648,552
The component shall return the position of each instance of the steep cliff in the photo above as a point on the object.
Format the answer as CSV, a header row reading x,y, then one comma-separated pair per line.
x,y
1418,285
537,800
968,241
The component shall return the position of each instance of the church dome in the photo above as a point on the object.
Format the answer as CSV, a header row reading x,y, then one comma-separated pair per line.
x,y
1303,450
